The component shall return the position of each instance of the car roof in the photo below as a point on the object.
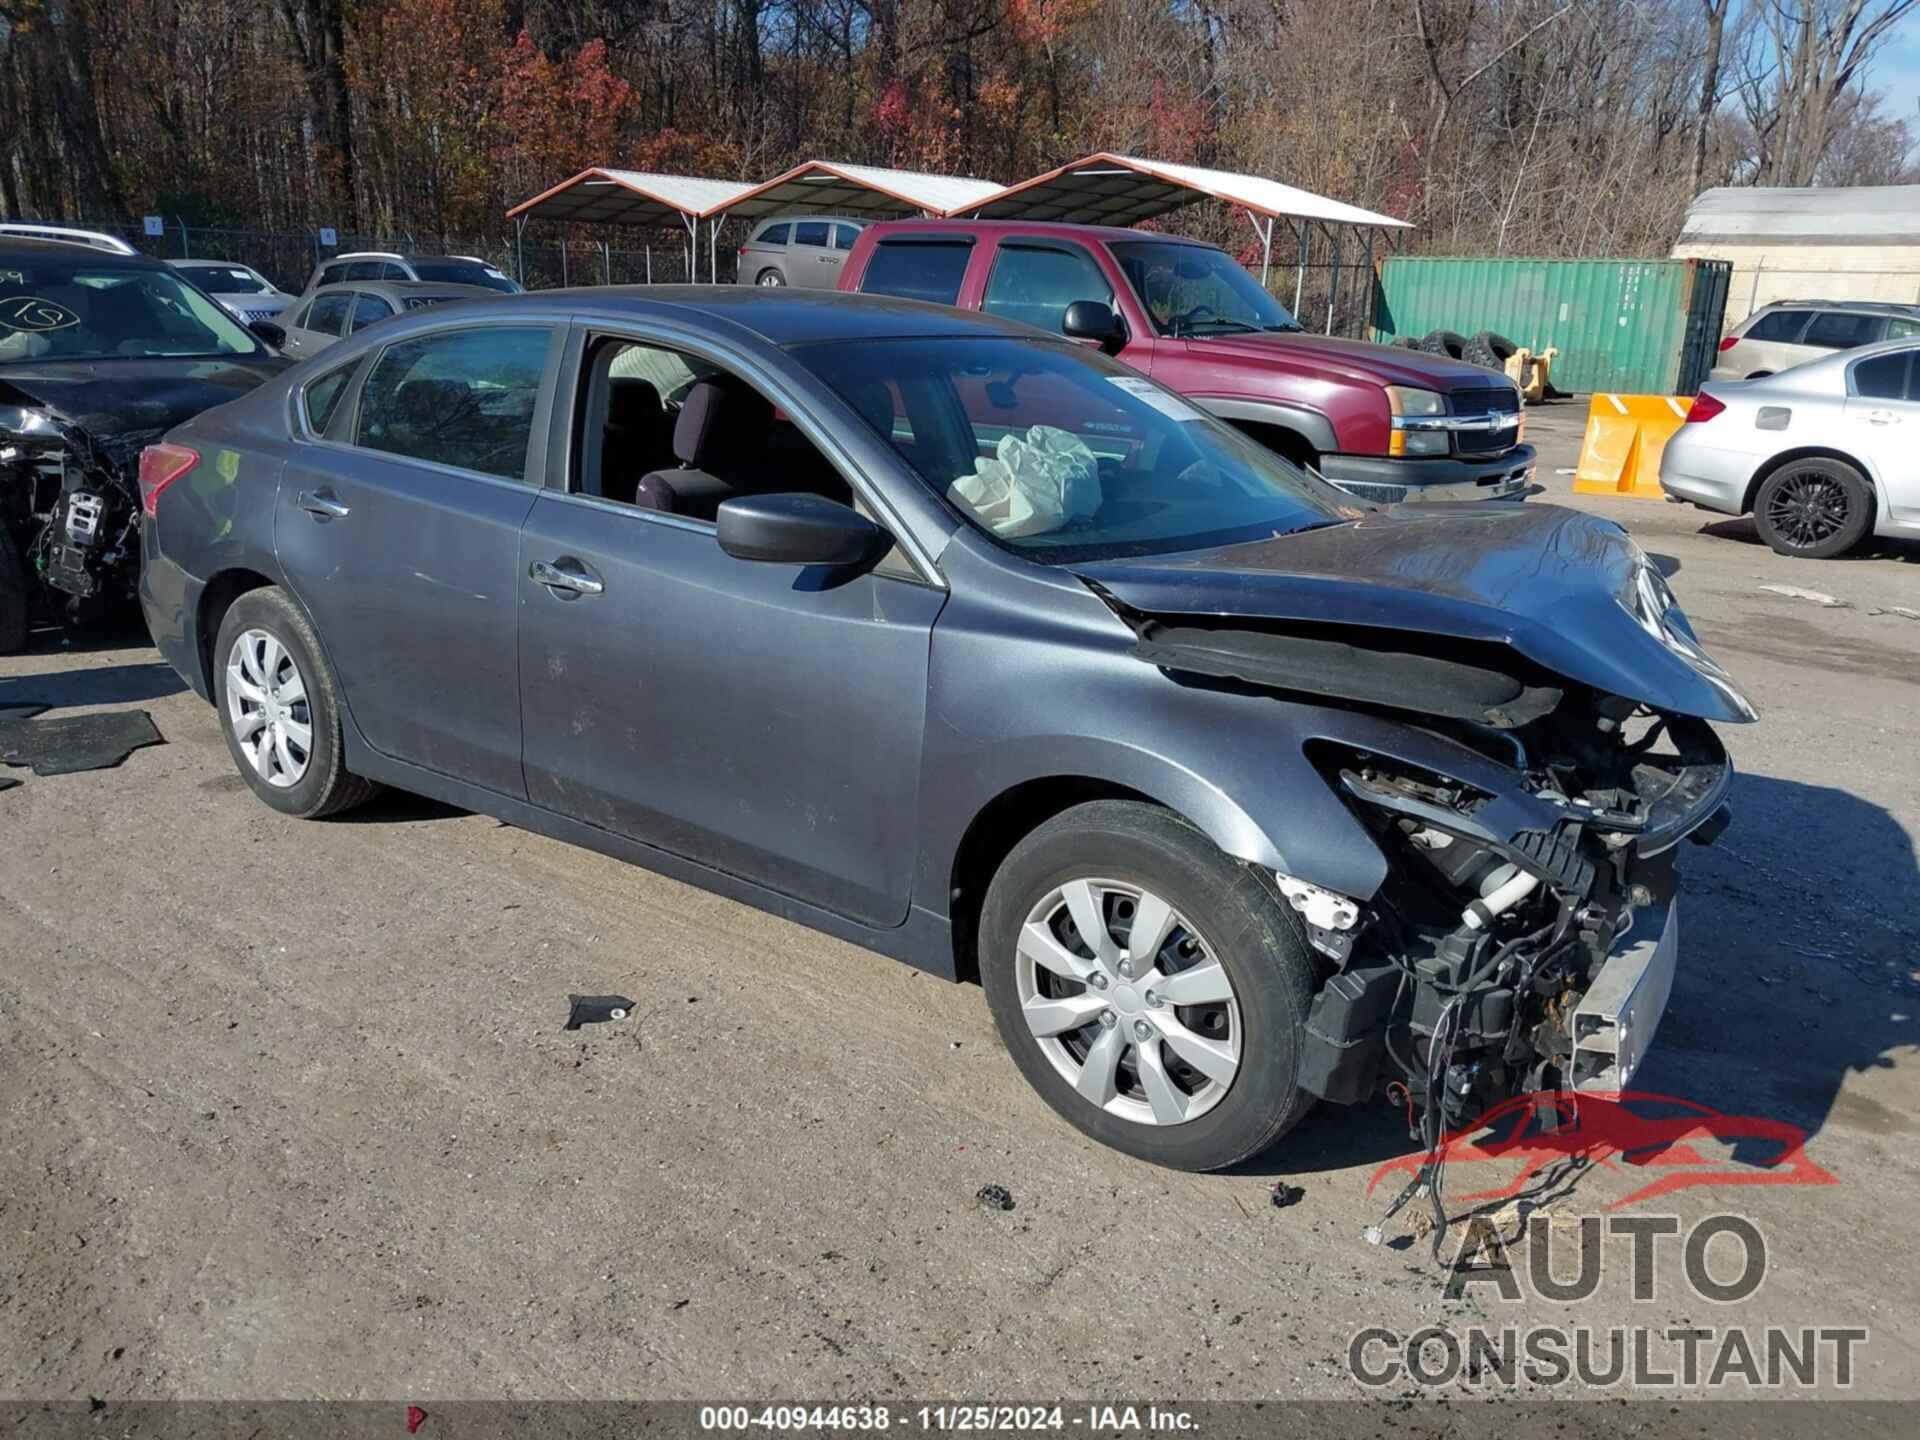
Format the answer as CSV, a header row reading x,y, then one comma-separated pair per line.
x,y
1876,307
13,247
778,315
1051,229
853,220
401,289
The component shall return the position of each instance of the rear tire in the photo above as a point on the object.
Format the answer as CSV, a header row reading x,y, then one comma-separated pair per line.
x,y
1155,1080
14,590
1814,509
770,278
279,708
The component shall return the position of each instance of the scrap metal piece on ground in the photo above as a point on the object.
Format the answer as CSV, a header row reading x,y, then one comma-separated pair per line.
x,y
1285,1194
70,743
595,1009
995,1197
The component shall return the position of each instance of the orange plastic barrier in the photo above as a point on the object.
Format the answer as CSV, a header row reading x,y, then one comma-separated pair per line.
x,y
1626,436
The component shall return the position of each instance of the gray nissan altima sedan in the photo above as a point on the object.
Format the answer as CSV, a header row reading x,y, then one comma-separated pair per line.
x,y
971,645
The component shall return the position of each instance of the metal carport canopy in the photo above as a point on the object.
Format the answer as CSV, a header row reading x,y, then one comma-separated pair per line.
x,y
828,187
601,196
1109,189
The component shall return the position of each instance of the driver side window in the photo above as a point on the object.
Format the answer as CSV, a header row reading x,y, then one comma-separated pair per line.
x,y
1036,284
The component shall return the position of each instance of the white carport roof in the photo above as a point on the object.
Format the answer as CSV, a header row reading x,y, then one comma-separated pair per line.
x,y
1108,189
629,197
828,187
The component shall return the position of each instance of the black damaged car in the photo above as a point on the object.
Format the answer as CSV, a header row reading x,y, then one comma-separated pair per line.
x,y
99,355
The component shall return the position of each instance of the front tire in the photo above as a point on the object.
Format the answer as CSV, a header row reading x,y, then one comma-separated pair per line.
x,y
279,708
1186,1055
1814,509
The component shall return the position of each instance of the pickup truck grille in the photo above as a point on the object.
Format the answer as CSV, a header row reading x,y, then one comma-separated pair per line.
x,y
1497,400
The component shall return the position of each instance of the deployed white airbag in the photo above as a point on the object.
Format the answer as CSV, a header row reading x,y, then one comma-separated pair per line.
x,y
1034,483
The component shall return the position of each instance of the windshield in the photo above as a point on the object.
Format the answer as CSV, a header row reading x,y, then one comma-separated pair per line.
x,y
1193,290
463,272
227,280
69,309
1066,456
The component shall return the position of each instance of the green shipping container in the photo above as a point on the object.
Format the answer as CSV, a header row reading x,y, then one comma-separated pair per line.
x,y
1635,327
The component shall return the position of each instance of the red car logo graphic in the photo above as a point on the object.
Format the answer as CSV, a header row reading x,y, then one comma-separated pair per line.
x,y
1540,1130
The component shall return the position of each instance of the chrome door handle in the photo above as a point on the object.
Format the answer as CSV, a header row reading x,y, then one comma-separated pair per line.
x,y
1882,417
322,505
565,577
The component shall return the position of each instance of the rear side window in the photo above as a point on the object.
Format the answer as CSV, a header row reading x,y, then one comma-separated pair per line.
x,y
328,314
810,232
1779,326
322,397
1036,285
1842,330
367,309
772,235
1884,377
463,398
918,269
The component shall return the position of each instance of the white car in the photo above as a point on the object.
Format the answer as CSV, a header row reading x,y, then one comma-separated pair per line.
x,y
1821,456
240,288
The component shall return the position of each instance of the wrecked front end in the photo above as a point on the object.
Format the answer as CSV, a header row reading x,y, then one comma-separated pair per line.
x,y
70,503
1524,935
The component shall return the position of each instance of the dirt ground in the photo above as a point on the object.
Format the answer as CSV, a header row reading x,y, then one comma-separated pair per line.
x,y
286,1109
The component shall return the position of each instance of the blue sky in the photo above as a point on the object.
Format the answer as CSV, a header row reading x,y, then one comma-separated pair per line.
x,y
1895,72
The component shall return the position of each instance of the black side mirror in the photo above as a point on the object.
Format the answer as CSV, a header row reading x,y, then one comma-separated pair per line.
x,y
1090,320
274,335
797,530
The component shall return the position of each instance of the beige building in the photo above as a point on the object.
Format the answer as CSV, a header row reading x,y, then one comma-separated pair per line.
x,y
1853,243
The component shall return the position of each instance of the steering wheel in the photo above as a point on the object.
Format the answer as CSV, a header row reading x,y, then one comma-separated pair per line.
x,y
1186,317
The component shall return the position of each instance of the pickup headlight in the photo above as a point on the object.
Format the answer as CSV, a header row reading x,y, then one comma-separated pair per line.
x,y
1418,422
1404,401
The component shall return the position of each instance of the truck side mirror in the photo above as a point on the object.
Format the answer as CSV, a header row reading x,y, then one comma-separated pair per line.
x,y
1091,320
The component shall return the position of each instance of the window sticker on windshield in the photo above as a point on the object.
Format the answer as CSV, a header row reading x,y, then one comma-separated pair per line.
x,y
31,313
1149,393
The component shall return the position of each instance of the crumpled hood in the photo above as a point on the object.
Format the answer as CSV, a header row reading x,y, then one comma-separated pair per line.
x,y
1569,591
1353,359
105,397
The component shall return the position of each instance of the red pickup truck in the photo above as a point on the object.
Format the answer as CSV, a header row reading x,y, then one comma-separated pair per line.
x,y
1385,424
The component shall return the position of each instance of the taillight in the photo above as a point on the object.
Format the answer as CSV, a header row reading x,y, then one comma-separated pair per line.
x,y
1705,407
1728,342
160,466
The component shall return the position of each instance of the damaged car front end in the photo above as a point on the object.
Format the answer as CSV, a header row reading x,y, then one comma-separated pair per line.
x,y
1518,714
99,356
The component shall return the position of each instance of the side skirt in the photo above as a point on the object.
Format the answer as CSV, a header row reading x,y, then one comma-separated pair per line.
x,y
924,941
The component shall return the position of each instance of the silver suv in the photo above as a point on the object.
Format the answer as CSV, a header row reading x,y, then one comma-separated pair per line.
x,y
435,269
802,250
1791,332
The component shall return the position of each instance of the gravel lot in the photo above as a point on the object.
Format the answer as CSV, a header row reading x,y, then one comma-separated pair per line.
x,y
286,1109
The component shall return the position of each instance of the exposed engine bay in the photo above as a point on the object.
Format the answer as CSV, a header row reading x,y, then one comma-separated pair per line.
x,y
1523,938
70,505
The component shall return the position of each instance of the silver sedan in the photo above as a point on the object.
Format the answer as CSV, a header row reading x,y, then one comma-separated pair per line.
x,y
1821,455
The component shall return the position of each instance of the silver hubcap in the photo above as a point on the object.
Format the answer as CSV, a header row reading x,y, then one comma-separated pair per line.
x,y
1128,1002
268,709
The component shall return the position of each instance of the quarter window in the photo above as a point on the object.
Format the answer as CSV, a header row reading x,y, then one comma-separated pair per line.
x,y
463,398
1842,330
918,269
1037,285
1899,329
773,235
322,397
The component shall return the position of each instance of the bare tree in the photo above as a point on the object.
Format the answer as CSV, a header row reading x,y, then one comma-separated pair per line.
x,y
1799,75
